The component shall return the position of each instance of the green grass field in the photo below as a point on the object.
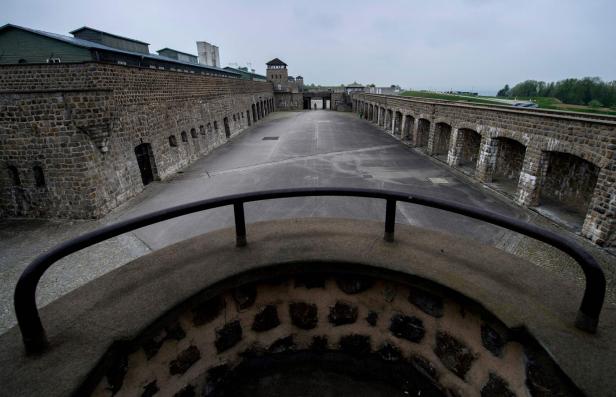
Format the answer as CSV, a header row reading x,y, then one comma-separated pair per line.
x,y
542,102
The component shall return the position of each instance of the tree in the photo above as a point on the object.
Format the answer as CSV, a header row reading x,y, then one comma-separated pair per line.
x,y
505,91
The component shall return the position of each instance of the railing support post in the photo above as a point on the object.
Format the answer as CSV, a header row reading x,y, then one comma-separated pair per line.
x,y
390,220
240,225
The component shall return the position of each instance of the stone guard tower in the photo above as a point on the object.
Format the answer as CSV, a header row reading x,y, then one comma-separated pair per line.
x,y
278,74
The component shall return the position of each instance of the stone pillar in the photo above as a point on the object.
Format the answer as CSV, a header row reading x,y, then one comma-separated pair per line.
x,y
393,122
533,171
486,163
600,222
431,138
414,131
456,143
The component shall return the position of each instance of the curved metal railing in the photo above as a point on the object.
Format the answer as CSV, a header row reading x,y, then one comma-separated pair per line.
x,y
33,333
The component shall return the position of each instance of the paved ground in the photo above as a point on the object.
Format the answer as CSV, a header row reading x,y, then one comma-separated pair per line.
x,y
314,148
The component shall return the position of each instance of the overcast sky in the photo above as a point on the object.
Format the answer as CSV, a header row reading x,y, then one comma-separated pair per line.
x,y
422,44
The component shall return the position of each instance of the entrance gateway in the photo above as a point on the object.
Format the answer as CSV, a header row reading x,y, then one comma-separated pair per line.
x,y
322,98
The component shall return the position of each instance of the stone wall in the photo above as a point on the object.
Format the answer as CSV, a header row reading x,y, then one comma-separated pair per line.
x,y
417,342
81,123
288,101
543,134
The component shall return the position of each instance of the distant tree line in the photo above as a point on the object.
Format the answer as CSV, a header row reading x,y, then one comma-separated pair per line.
x,y
590,91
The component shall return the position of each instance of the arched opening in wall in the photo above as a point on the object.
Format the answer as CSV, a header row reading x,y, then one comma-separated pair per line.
x,y
567,188
248,117
13,175
39,176
209,128
370,112
382,117
442,137
146,163
389,118
508,165
184,136
227,129
409,126
201,130
21,204
216,127
193,133
173,142
254,113
398,124
469,142
423,133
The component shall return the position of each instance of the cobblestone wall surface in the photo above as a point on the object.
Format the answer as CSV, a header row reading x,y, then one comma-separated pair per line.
x,y
81,123
544,135
437,345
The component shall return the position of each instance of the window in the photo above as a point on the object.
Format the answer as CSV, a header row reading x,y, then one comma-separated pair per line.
x,y
209,127
173,142
53,60
122,63
216,126
193,133
14,175
39,177
233,117
184,136
22,61
201,130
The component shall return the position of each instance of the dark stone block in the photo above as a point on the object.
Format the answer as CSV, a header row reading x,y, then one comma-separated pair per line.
x,y
150,389
152,345
372,318
342,313
218,373
492,340
310,281
496,387
454,354
355,344
319,344
228,336
409,328
282,345
424,366
116,374
266,319
245,296
184,360
389,352
427,302
186,391
208,311
303,315
354,284
175,331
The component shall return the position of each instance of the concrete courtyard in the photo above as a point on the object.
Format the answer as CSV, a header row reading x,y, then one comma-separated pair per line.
x,y
304,149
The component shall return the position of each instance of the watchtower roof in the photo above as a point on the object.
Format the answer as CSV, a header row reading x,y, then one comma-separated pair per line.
x,y
276,62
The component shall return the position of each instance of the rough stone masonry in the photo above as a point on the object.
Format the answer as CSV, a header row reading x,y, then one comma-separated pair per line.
x,y
556,158
79,139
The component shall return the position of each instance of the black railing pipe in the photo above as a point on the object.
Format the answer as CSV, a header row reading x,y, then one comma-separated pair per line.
x,y
34,336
